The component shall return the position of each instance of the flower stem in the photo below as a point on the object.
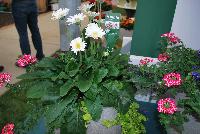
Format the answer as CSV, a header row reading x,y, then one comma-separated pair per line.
x,y
80,55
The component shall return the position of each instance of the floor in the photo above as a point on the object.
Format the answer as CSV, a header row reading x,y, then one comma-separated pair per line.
x,y
9,44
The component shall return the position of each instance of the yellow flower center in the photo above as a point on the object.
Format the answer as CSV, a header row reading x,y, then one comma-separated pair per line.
x,y
95,35
78,45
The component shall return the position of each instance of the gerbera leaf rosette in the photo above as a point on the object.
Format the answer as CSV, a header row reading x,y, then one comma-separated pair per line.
x,y
60,14
172,79
4,78
167,106
77,45
8,129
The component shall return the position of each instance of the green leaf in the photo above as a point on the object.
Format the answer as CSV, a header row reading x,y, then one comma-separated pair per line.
x,y
74,121
85,80
100,74
113,71
38,90
92,92
94,107
53,112
48,62
66,87
37,75
72,68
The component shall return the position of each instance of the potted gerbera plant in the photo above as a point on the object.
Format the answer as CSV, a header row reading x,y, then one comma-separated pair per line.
x,y
70,90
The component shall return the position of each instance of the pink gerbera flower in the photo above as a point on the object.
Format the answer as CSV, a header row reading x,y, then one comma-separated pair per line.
x,y
8,129
167,106
26,60
172,79
145,61
4,78
163,57
171,37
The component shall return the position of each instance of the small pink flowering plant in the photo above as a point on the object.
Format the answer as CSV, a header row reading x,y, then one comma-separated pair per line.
x,y
26,60
171,38
163,57
4,78
8,129
145,61
167,106
172,79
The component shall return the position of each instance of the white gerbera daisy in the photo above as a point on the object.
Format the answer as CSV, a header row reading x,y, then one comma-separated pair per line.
x,y
94,31
60,13
85,7
76,19
78,45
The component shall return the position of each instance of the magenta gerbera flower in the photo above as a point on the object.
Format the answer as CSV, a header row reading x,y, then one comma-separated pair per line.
x,y
8,129
172,79
167,106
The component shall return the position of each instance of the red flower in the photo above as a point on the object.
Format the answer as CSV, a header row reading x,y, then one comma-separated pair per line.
x,y
171,37
167,106
163,57
145,61
4,78
26,60
172,79
8,129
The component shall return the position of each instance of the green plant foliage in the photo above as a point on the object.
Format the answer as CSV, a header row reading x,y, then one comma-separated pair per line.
x,y
60,84
131,122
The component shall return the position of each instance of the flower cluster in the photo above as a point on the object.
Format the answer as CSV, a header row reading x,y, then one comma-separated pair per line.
x,y
85,7
26,60
145,61
94,31
127,23
196,75
78,45
167,106
4,78
76,19
59,14
163,57
8,129
172,79
171,37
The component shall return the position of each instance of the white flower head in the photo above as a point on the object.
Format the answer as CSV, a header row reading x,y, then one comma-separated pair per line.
x,y
85,7
76,19
78,45
60,13
94,31
92,14
105,54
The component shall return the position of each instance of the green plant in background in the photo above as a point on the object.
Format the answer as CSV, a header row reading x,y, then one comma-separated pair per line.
x,y
131,122
180,60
